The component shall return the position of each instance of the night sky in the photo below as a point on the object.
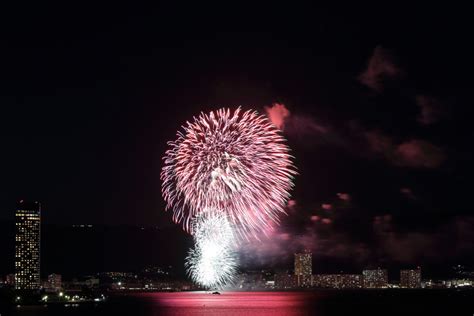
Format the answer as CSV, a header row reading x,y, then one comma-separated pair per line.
x,y
375,102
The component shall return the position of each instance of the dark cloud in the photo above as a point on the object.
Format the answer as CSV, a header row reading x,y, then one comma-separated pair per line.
x,y
419,154
414,153
430,109
389,241
407,192
380,68
303,125
454,239
464,242
406,247
317,237
313,231
379,142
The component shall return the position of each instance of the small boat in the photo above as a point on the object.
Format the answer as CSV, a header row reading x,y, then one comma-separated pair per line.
x,y
216,293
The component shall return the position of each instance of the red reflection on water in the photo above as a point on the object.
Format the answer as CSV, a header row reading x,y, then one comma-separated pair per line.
x,y
229,303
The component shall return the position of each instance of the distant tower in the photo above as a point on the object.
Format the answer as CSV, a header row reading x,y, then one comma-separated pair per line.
x,y
410,279
303,268
27,246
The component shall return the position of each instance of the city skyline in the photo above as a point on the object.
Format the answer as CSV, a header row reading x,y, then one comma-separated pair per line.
x,y
156,278
28,222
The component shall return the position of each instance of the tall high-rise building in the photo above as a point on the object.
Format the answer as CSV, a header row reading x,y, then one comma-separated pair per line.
x,y
27,246
304,268
410,279
375,278
303,263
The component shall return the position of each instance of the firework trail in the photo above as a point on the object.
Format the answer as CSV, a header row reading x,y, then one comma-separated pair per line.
x,y
212,262
234,163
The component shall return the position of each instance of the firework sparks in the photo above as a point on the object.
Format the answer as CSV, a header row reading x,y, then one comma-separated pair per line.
x,y
237,163
212,262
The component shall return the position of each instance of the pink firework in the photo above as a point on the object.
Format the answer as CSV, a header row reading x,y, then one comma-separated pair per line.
x,y
236,164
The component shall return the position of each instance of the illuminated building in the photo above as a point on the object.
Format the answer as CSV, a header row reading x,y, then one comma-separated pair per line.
x,y
285,281
10,279
55,282
303,268
410,279
27,246
338,281
375,278
119,276
457,283
250,281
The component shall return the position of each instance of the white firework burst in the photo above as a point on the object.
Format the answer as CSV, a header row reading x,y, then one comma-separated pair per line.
x,y
212,262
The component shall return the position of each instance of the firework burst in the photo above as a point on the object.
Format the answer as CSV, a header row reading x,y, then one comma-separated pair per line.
x,y
212,262
235,163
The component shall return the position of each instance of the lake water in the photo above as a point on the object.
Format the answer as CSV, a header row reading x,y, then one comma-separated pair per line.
x,y
387,302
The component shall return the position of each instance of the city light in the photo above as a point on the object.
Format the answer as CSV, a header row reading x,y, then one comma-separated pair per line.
x,y
27,246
